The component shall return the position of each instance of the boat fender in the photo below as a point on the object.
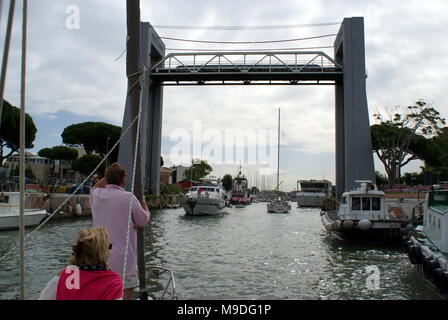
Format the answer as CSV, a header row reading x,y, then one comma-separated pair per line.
x,y
411,254
78,209
438,280
365,224
337,225
348,224
433,265
417,252
425,264
444,276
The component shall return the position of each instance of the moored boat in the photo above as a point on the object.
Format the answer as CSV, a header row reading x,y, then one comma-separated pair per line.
x,y
427,246
240,191
10,213
364,217
312,193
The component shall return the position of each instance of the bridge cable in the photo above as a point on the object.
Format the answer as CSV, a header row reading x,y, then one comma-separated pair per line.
x,y
245,50
262,27
250,42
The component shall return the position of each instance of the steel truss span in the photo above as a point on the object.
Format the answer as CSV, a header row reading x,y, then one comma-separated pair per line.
x,y
247,68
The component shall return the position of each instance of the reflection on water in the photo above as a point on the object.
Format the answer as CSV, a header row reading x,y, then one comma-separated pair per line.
x,y
245,254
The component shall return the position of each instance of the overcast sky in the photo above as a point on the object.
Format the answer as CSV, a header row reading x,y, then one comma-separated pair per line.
x,y
73,76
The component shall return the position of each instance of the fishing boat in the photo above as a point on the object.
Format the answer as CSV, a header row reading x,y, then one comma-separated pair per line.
x,y
10,213
206,198
240,191
364,217
312,193
427,246
278,205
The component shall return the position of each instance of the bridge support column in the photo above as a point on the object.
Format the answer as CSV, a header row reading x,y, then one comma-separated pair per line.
x,y
151,51
354,157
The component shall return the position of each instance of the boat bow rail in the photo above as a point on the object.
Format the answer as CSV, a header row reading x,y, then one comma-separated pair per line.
x,y
292,67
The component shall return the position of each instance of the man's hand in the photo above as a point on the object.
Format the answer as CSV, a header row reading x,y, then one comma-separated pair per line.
x,y
101,184
144,205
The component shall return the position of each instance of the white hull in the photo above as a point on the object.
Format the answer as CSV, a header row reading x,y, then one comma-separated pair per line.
x,y
11,221
278,208
203,206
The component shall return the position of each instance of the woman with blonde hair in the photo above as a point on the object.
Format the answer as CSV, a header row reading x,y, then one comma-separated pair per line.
x,y
88,276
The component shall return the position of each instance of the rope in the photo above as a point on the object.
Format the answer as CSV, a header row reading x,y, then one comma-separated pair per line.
x,y
250,42
80,186
134,166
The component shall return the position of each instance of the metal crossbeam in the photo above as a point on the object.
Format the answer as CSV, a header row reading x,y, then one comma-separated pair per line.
x,y
233,68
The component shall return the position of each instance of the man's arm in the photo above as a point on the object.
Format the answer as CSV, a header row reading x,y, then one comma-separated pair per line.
x,y
140,214
101,183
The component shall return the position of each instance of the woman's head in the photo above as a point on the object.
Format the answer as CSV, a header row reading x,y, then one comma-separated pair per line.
x,y
91,248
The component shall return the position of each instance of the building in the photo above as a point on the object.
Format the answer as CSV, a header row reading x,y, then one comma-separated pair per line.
x,y
165,175
46,169
178,173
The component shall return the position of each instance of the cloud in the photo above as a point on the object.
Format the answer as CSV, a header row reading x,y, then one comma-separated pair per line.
x,y
74,72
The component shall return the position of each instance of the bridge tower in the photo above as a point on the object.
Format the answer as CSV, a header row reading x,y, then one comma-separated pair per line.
x,y
354,157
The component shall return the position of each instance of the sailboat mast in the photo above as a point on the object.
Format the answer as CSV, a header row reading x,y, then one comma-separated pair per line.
x,y
132,68
22,155
278,149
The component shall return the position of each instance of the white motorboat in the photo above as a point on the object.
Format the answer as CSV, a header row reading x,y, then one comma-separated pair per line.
x,y
10,214
364,216
207,198
278,206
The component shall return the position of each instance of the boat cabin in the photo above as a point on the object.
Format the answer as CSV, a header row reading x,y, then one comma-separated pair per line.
x,y
358,205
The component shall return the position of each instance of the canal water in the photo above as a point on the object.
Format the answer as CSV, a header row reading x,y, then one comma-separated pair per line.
x,y
244,254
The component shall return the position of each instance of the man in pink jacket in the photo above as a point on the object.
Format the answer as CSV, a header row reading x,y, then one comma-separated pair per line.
x,y
110,209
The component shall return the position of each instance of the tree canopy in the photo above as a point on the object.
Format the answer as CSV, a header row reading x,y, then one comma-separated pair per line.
x,y
227,182
87,163
96,137
59,153
9,131
198,170
405,136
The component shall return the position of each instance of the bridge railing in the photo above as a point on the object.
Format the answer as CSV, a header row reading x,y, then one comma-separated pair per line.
x,y
245,62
